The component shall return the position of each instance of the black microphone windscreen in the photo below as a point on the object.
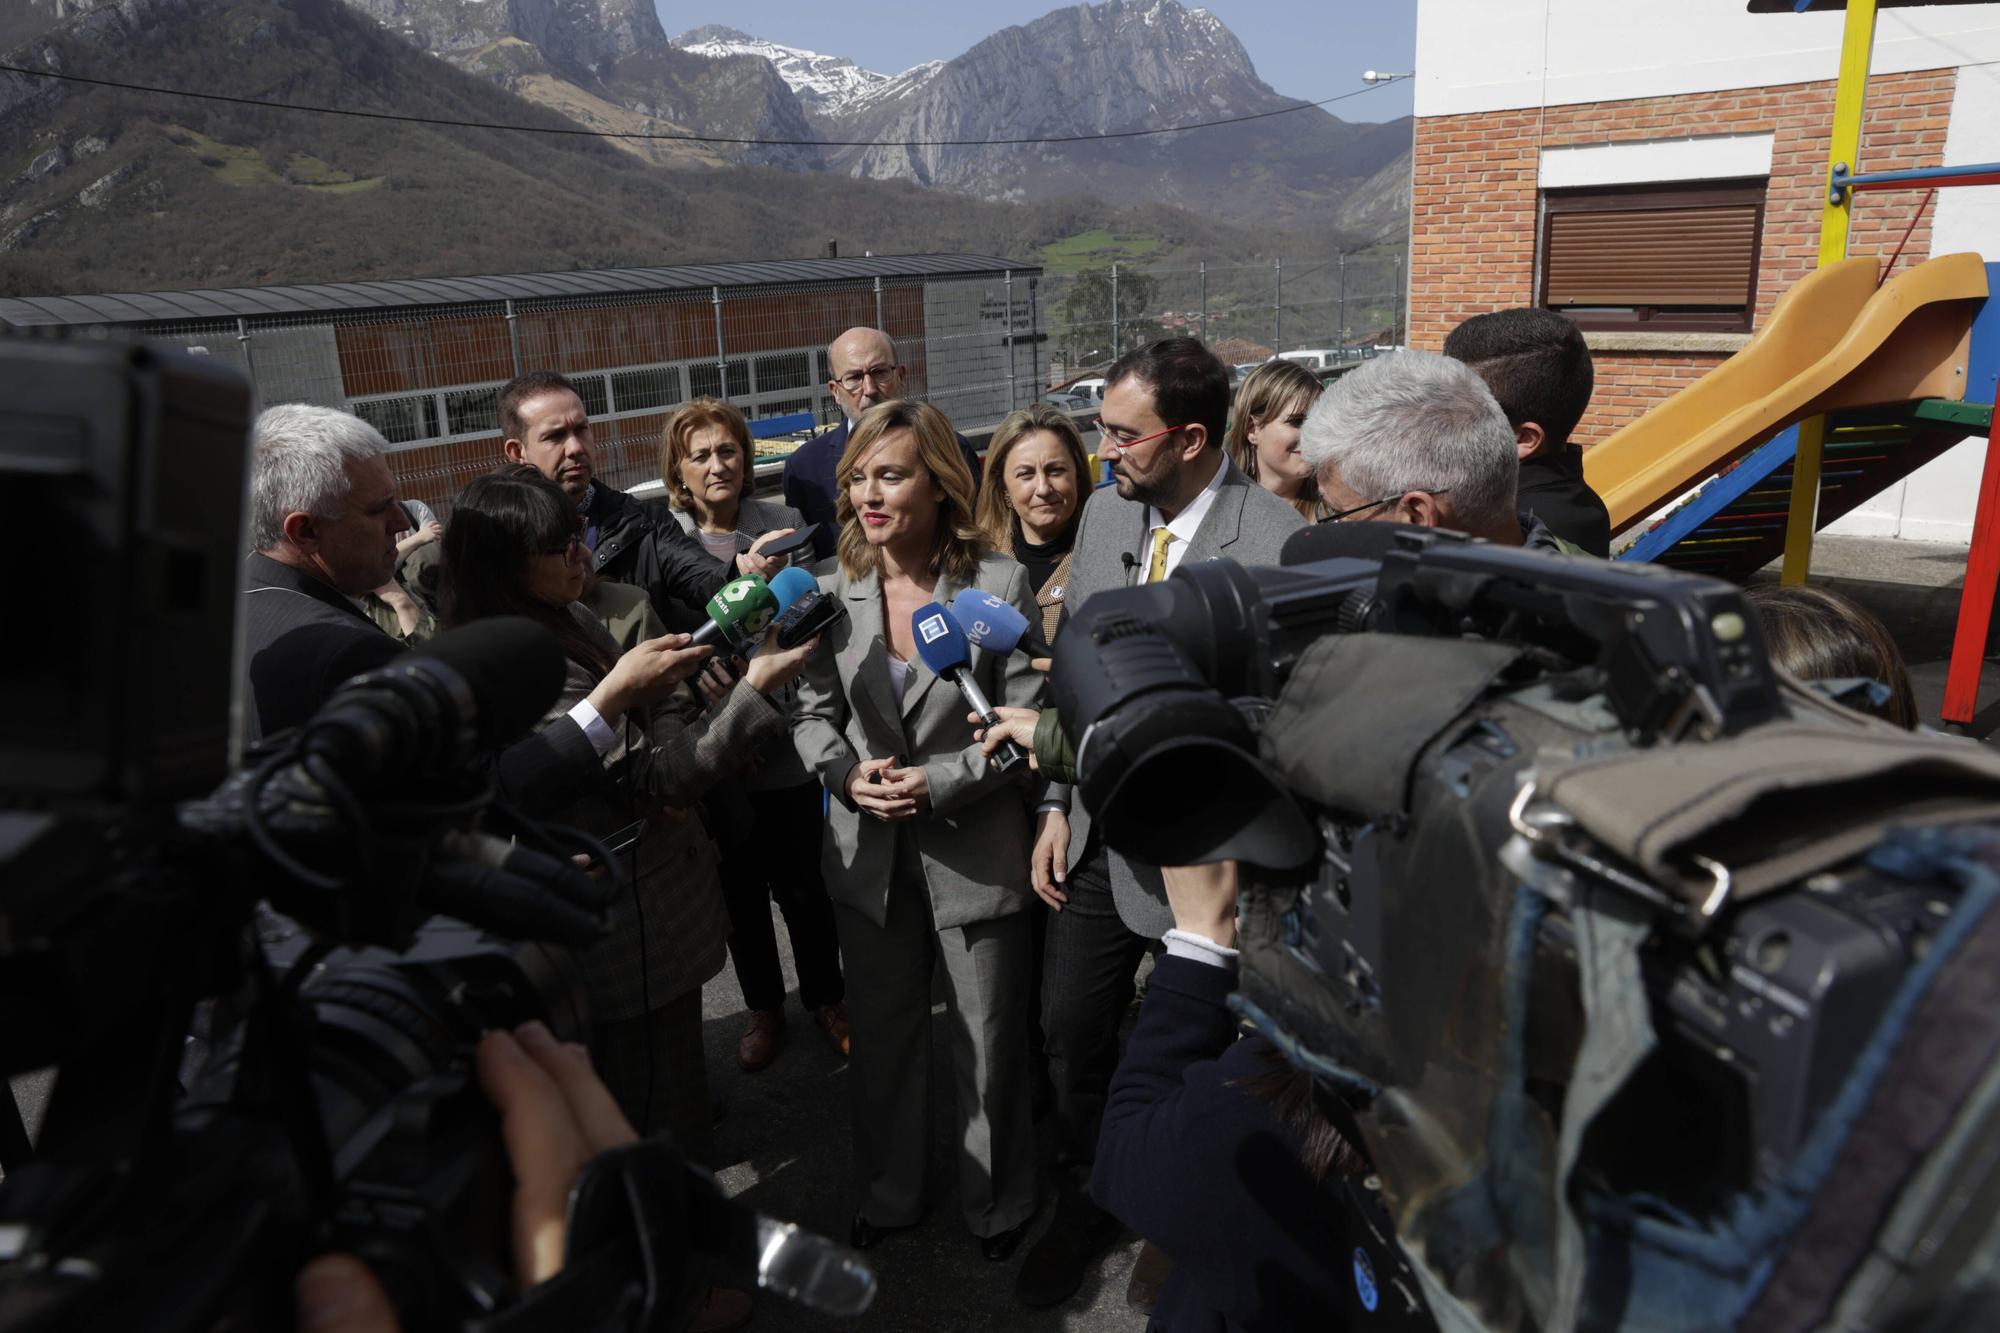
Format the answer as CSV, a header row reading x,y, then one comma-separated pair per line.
x,y
1340,541
514,667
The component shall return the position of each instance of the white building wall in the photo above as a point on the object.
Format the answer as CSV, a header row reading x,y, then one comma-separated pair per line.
x,y
1494,55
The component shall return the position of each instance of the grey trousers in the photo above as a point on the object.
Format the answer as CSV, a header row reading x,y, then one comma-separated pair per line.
x,y
986,976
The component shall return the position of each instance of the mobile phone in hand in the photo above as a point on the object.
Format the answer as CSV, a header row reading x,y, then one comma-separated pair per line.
x,y
784,546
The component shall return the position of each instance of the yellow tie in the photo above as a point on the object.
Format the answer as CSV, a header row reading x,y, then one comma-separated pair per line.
x,y
1157,568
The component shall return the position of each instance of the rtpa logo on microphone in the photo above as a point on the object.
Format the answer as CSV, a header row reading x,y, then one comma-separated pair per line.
x,y
932,628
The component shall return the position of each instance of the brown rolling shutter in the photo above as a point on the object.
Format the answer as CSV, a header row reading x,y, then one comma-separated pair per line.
x,y
1657,255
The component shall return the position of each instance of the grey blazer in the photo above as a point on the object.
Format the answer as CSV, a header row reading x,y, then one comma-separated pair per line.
x,y
975,839
754,518
1247,524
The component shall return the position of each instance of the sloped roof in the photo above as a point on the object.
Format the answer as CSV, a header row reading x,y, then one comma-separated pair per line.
x,y
336,297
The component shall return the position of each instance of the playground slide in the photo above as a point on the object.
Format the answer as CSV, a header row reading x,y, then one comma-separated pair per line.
x,y
1833,340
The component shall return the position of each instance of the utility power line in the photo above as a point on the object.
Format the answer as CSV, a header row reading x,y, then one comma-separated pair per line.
x,y
583,132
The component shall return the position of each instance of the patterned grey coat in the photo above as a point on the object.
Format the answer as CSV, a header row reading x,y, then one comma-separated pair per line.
x,y
666,756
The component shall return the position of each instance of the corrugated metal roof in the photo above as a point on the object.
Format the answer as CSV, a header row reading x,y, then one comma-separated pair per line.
x,y
315,298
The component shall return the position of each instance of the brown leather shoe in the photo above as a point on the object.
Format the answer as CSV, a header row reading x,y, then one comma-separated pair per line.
x,y
758,1045
832,1020
722,1309
1149,1273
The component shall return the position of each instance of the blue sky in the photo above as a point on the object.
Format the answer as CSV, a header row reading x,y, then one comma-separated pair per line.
x,y
1303,48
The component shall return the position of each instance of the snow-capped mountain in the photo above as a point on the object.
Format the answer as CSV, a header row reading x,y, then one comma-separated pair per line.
x,y
825,85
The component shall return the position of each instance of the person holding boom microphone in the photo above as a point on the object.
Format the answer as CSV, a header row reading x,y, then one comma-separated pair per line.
x,y
926,846
513,547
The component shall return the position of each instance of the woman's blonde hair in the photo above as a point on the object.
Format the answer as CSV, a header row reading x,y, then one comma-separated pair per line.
x,y
996,513
1270,391
674,448
957,544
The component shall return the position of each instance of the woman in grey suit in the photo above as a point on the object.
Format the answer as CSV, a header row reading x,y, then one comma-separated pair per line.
x,y
926,847
769,821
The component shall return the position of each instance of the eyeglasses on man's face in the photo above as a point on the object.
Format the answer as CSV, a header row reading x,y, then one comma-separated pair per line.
x,y
1116,438
1340,514
854,379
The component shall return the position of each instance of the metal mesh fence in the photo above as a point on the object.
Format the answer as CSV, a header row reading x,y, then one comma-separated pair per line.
x,y
429,377
1322,310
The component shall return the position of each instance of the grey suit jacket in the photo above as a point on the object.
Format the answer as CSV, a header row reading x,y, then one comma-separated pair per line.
x,y
754,518
1247,524
975,839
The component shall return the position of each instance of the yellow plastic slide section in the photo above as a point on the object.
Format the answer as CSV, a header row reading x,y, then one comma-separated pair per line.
x,y
1833,340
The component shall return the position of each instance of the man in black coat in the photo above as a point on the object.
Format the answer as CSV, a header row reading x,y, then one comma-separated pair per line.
x,y
1215,1150
546,426
1538,367
865,372
324,523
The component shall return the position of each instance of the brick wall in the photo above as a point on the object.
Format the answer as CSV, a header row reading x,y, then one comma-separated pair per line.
x,y
1474,204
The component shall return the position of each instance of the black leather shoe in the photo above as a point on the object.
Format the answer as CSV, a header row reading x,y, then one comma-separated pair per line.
x,y
999,1247
1054,1268
865,1235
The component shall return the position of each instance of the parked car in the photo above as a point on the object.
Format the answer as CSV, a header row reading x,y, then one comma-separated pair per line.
x,y
1318,358
1092,388
1070,402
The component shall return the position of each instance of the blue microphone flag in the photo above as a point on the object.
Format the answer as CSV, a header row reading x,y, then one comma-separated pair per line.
x,y
940,642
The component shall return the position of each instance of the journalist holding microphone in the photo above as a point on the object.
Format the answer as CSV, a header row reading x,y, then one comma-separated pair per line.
x,y
513,547
926,846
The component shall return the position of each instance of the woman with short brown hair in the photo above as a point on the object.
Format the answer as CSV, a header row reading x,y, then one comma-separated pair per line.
x,y
767,822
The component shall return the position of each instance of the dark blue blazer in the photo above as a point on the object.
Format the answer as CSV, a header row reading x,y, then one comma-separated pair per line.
x,y
1194,1163
809,484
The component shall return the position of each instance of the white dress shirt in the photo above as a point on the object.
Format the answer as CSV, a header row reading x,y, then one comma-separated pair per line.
x,y
1184,526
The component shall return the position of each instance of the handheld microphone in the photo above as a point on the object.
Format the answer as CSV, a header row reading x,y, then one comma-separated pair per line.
x,y
739,613
790,584
989,620
948,653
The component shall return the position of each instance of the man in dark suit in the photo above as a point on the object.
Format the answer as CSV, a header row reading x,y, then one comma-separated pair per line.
x,y
324,521
865,372
1177,498
1538,367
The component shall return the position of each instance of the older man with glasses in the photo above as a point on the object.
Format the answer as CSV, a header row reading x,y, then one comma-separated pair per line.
x,y
865,372
1419,438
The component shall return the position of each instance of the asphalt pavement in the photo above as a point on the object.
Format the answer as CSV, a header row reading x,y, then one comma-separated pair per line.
x,y
782,1146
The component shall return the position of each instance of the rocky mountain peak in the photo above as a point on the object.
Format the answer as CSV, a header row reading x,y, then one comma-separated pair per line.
x,y
825,85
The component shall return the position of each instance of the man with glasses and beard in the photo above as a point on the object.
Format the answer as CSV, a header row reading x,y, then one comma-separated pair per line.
x,y
865,372
1178,498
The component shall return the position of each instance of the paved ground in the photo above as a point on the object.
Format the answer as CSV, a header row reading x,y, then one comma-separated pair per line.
x,y
782,1146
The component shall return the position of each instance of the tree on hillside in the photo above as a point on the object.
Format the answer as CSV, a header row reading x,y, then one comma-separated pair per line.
x,y
1085,335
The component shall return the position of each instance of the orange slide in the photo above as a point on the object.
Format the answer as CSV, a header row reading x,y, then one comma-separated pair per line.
x,y
1834,340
